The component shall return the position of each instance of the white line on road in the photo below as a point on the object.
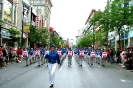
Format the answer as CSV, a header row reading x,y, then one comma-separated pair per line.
x,y
61,68
125,80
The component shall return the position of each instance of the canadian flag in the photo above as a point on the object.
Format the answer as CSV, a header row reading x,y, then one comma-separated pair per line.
x,y
37,22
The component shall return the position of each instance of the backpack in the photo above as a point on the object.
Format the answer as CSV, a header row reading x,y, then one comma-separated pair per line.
x,y
69,53
24,54
81,54
59,53
37,53
93,54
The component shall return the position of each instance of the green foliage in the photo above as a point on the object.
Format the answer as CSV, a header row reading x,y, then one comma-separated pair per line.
x,y
54,40
13,36
113,18
38,35
86,40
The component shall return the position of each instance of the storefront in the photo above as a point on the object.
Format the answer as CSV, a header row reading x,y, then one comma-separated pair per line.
x,y
124,40
5,36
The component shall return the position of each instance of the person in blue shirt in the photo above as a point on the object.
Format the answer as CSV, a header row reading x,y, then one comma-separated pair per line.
x,y
53,58
63,52
42,53
88,53
81,56
99,55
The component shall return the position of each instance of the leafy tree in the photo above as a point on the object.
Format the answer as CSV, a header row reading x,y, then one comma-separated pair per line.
x,y
54,40
119,15
14,36
38,36
113,18
86,41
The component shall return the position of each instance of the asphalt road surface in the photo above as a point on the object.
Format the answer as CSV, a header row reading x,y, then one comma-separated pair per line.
x,y
75,76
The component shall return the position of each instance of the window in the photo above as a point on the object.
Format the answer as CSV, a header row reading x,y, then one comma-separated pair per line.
x,y
14,14
39,1
39,7
32,1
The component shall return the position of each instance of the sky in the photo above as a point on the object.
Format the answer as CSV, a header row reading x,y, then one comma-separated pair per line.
x,y
69,16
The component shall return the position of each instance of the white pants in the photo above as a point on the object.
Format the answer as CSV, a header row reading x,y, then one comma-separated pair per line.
x,y
91,60
80,61
27,60
88,59
102,61
42,59
69,61
52,68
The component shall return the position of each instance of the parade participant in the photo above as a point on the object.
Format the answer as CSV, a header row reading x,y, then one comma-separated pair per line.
x,y
25,56
92,56
99,56
37,56
70,54
46,59
63,53
42,53
30,52
104,58
81,56
53,58
60,55
88,53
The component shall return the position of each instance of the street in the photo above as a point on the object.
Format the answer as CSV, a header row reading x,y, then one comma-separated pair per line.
x,y
17,75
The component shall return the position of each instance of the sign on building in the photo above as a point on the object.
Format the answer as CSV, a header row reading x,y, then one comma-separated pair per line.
x,y
26,24
37,22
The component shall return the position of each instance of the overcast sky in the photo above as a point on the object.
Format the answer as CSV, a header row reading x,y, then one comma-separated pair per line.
x,y
68,16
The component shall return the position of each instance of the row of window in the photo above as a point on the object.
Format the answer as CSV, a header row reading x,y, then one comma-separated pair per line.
x,y
37,1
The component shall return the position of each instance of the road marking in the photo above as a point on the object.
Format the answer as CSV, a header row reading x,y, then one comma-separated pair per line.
x,y
61,68
125,80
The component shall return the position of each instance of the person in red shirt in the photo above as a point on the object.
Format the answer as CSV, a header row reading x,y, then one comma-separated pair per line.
x,y
108,55
19,53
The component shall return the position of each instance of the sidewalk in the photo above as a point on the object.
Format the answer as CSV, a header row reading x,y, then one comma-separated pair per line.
x,y
13,71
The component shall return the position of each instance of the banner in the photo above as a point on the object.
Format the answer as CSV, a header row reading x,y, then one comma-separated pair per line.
x,y
26,24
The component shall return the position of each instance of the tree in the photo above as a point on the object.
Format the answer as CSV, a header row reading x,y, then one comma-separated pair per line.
x,y
14,37
86,40
38,36
97,21
113,18
119,15
54,40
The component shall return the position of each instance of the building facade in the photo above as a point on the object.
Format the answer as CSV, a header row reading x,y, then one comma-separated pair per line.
x,y
43,9
10,14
